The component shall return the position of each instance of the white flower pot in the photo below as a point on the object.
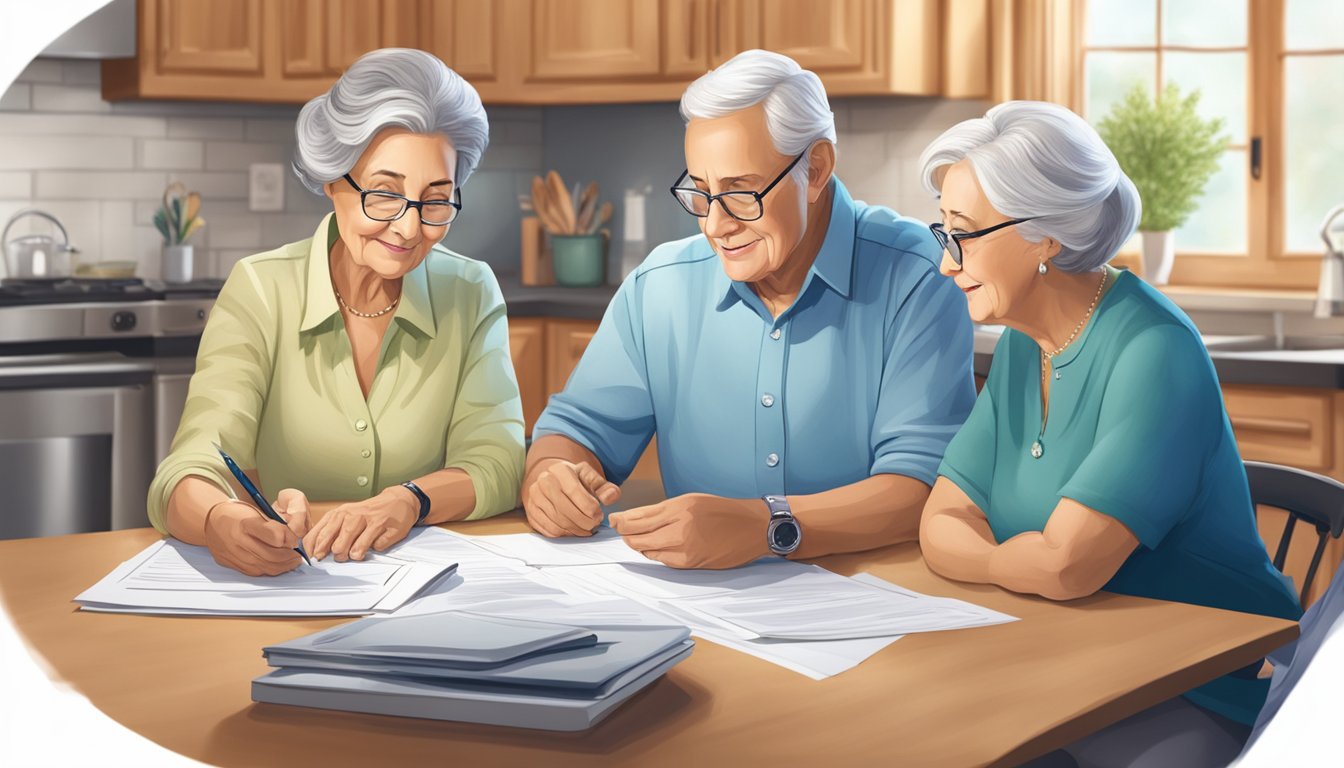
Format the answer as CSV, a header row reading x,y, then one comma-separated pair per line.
x,y
1159,253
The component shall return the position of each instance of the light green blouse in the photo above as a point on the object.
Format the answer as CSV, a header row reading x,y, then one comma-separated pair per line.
x,y
275,385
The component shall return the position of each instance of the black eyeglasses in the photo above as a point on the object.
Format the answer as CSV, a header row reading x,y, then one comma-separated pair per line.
x,y
390,206
743,206
952,242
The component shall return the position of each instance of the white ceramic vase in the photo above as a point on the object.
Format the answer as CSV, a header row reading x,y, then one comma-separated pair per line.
x,y
1159,253
178,264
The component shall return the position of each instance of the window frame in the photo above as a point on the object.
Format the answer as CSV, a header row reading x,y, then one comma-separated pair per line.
x,y
1267,262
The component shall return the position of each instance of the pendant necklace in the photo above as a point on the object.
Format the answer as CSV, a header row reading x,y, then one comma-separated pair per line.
x,y
1038,447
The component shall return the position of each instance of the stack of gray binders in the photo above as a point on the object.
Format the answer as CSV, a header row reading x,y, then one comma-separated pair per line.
x,y
472,667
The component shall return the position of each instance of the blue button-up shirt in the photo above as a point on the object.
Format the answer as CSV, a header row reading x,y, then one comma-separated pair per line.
x,y
868,372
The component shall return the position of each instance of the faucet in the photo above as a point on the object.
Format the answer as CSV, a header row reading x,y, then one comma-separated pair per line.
x,y
1330,290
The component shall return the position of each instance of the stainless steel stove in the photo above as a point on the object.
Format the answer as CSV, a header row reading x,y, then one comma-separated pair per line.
x,y
93,378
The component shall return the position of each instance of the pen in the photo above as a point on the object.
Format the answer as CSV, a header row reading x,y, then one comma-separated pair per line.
x,y
257,498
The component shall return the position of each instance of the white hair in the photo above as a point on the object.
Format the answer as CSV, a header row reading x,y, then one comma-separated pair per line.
x,y
391,87
797,113
1036,159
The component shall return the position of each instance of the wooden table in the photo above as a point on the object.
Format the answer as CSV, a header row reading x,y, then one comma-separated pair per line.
x,y
990,696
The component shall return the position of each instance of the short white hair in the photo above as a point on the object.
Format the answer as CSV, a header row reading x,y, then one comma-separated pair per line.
x,y
1037,159
797,112
390,87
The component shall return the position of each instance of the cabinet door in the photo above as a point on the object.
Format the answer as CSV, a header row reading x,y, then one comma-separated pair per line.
x,y
465,34
208,36
685,34
527,346
565,342
1282,425
593,40
322,38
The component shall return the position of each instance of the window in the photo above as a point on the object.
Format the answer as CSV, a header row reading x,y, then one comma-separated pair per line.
x,y
1273,71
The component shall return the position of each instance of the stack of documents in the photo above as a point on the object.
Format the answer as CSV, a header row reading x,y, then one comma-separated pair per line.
x,y
170,577
470,667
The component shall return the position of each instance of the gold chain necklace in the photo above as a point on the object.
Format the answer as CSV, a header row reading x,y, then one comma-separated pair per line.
x,y
357,313
1038,446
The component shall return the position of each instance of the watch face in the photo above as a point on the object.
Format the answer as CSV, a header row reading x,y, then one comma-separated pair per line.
x,y
784,536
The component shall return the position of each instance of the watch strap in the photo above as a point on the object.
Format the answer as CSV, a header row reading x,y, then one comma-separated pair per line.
x,y
422,496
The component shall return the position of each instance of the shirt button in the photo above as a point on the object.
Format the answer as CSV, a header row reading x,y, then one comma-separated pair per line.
x,y
767,399
365,453
775,334
361,425
772,460
361,481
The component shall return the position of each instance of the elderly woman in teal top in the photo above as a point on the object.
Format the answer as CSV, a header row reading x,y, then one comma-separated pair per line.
x,y
366,364
1098,455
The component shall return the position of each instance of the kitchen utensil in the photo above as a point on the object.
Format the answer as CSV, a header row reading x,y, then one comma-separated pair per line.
x,y
587,207
542,206
564,203
38,257
603,216
1330,289
536,261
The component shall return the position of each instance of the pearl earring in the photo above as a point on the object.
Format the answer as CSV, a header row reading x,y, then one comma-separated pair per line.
x,y
1042,269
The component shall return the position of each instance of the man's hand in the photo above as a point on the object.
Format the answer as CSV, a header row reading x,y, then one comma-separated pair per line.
x,y
566,499
697,530
350,530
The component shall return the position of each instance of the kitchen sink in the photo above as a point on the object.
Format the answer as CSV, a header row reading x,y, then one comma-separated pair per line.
x,y
1270,343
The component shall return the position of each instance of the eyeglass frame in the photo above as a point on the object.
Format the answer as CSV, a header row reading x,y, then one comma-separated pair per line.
x,y
407,204
947,239
759,196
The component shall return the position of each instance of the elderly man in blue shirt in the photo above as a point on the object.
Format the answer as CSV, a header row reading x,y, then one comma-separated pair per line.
x,y
803,364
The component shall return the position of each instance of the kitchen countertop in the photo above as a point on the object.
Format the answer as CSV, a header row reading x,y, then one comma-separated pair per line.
x,y
555,300
1317,368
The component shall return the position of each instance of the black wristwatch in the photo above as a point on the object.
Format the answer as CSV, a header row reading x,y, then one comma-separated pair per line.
x,y
783,534
422,496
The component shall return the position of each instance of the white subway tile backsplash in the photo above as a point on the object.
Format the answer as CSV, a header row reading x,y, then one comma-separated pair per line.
x,y
205,128
80,218
68,98
16,184
238,155
63,152
235,231
85,73
227,186
100,185
171,154
512,157
17,98
223,260
37,124
41,71
280,131
514,132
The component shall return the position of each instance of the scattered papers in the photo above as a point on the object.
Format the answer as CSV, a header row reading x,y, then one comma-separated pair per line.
x,y
604,546
170,577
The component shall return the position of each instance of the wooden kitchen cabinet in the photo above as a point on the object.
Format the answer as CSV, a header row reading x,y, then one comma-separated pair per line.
x,y
523,51
527,347
565,342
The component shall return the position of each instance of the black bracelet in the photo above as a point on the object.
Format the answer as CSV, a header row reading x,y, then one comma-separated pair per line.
x,y
424,500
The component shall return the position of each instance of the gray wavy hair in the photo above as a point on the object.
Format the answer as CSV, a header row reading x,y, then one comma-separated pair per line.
x,y
797,112
390,87
1034,158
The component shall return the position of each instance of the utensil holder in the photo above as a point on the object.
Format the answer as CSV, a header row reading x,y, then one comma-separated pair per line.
x,y
178,264
580,261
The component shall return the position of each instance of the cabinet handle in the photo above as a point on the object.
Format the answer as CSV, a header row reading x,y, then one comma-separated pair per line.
x,y
1255,158
1276,426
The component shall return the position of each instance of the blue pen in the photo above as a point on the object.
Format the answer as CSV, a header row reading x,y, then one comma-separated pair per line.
x,y
257,498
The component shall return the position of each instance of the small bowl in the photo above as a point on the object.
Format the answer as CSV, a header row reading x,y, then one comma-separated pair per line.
x,y
107,270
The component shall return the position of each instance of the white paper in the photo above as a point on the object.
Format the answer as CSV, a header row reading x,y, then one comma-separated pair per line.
x,y
170,577
604,546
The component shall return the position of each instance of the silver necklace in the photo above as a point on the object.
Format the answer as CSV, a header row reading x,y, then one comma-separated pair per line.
x,y
1038,447
357,313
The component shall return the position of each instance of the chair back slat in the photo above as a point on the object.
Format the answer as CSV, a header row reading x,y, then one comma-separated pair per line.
x,y
1316,499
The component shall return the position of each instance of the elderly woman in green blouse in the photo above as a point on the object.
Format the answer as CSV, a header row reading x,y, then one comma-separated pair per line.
x,y
367,364
1098,455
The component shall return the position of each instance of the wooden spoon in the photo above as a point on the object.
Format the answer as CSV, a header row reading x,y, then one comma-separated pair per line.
x,y
541,205
564,202
587,206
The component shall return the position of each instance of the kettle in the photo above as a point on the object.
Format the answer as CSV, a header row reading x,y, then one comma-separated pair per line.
x,y
38,257
1330,290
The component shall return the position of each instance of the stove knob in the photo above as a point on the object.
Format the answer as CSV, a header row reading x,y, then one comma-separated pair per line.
x,y
200,314
123,321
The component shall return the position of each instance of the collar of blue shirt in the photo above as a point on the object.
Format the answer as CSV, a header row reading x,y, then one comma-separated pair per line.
x,y
834,263
319,302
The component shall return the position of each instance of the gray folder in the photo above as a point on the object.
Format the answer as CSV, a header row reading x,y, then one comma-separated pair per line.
x,y
519,707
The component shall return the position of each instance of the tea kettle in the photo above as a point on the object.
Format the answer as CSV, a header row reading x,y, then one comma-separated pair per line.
x,y
38,257
1330,291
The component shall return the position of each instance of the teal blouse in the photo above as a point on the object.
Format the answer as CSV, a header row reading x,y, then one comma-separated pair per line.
x,y
1136,431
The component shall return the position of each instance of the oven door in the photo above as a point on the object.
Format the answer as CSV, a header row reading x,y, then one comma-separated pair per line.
x,y
76,443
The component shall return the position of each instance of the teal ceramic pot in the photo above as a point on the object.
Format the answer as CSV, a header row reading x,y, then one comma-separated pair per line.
x,y
580,260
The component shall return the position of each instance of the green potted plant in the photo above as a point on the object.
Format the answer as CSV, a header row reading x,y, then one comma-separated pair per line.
x,y
1169,152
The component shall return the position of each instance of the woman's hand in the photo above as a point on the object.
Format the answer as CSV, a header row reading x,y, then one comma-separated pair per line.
x,y
350,530
292,505
241,538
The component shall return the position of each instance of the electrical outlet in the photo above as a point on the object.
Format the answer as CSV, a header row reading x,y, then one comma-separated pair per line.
x,y
266,187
